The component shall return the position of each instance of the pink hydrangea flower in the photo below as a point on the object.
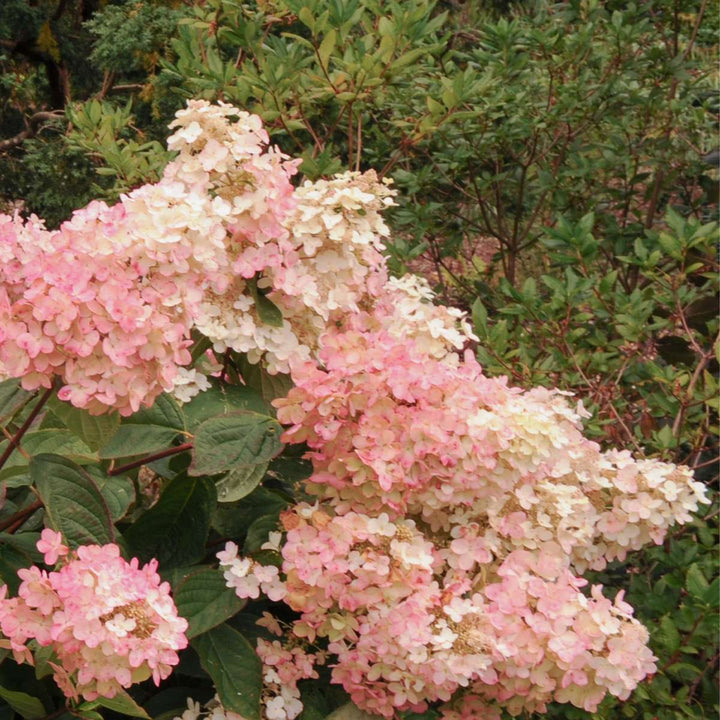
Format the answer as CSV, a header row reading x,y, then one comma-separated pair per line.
x,y
455,513
110,622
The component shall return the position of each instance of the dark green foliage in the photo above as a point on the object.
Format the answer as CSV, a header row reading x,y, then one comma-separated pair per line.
x,y
175,530
629,332
243,438
73,502
45,165
205,601
54,54
128,38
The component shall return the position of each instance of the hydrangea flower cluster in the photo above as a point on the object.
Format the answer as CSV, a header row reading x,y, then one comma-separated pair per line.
x,y
70,305
107,302
441,562
250,578
327,262
213,710
407,627
109,622
393,430
283,668
405,309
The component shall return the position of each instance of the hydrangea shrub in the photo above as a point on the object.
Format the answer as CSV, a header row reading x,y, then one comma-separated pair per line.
x,y
421,548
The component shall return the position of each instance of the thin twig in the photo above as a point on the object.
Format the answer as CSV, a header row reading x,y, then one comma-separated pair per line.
x,y
714,461
614,412
708,666
702,364
19,448
358,143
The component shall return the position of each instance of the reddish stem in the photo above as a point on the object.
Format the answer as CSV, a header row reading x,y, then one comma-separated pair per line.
x,y
14,442
150,458
20,517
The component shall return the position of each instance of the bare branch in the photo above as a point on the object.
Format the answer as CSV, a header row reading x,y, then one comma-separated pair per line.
x,y
32,127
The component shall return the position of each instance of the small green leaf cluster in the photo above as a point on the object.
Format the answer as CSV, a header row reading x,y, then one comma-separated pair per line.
x,y
125,159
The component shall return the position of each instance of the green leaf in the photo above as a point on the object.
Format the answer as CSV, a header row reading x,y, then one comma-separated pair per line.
x,y
240,481
170,702
121,703
58,441
327,46
234,520
319,700
267,311
434,106
73,502
665,437
205,601
12,559
684,672
93,430
23,542
712,594
306,17
131,440
234,667
13,477
695,582
667,634
410,57
175,529
43,657
25,705
479,317
12,398
267,386
221,399
259,531
671,244
87,713
291,466
239,438
147,431
119,492
51,440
